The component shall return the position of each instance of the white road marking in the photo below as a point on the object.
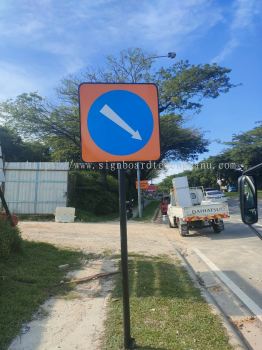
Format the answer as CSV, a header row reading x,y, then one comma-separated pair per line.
x,y
114,117
251,305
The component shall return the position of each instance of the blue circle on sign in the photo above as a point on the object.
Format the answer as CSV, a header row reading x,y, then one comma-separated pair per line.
x,y
120,122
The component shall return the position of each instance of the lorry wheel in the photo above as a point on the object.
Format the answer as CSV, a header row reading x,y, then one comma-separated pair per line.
x,y
174,224
218,226
183,229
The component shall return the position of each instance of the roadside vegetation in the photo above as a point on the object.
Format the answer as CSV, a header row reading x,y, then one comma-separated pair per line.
x,y
36,217
167,310
85,216
236,194
245,149
81,216
10,239
149,211
92,194
29,274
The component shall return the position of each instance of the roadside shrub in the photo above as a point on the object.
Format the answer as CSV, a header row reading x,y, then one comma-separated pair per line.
x,y
88,192
106,203
10,239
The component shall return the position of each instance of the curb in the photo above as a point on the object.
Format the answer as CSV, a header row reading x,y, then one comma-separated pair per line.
x,y
136,209
236,339
155,214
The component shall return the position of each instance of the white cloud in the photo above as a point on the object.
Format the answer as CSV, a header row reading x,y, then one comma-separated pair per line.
x,y
15,80
96,24
243,20
171,22
73,34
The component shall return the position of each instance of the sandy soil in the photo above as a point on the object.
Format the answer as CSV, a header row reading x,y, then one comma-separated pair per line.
x,y
76,322
146,238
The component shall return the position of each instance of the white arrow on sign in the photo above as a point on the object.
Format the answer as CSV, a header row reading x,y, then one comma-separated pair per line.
x,y
114,117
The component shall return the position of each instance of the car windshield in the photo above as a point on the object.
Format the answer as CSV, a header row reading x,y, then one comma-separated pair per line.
x,y
213,192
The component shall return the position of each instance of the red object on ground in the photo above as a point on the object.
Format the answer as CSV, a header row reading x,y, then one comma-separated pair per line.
x,y
3,216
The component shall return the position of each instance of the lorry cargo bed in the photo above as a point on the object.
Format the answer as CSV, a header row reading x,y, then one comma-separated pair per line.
x,y
200,212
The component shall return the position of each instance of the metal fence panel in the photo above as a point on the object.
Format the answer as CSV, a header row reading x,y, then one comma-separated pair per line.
x,y
36,188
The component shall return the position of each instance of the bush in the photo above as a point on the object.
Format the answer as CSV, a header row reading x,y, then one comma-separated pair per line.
x,y
107,203
10,239
89,193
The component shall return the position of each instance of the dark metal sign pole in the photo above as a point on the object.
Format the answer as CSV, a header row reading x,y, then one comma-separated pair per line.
x,y
128,341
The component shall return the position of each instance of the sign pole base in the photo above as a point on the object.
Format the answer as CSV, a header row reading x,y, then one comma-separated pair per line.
x,y
128,341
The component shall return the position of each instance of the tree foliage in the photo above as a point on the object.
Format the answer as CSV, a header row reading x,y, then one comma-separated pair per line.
x,y
246,148
15,149
182,87
243,152
178,142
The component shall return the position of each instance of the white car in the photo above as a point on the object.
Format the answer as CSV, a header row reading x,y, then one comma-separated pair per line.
x,y
214,196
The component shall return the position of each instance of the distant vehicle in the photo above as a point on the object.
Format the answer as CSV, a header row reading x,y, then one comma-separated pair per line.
x,y
189,209
210,189
214,196
232,188
164,204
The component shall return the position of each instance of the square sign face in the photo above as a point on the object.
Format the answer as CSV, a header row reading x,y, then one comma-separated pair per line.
x,y
119,122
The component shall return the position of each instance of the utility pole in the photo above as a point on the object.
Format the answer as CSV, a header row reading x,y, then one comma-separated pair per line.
x,y
171,55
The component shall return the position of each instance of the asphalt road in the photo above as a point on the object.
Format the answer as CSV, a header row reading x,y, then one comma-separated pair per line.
x,y
236,252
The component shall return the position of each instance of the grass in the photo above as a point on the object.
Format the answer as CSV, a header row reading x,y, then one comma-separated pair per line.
x,y
84,216
81,216
232,194
10,239
27,280
149,211
236,194
167,310
36,217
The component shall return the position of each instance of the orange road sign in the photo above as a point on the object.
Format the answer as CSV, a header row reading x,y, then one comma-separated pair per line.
x,y
119,122
143,184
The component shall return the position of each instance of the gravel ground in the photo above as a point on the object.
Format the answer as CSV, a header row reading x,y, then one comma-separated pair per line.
x,y
145,238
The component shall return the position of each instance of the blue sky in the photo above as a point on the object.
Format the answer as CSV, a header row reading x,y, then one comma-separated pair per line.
x,y
43,40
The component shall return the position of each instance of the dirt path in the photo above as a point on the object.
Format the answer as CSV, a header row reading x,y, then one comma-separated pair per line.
x,y
145,238
76,322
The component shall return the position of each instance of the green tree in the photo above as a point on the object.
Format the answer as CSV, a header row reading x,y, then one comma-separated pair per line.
x,y
182,87
245,150
16,150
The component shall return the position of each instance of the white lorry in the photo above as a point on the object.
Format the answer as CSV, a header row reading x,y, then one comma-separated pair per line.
x,y
188,209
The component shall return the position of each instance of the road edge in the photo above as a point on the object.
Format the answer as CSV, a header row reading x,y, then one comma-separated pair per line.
x,y
236,340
